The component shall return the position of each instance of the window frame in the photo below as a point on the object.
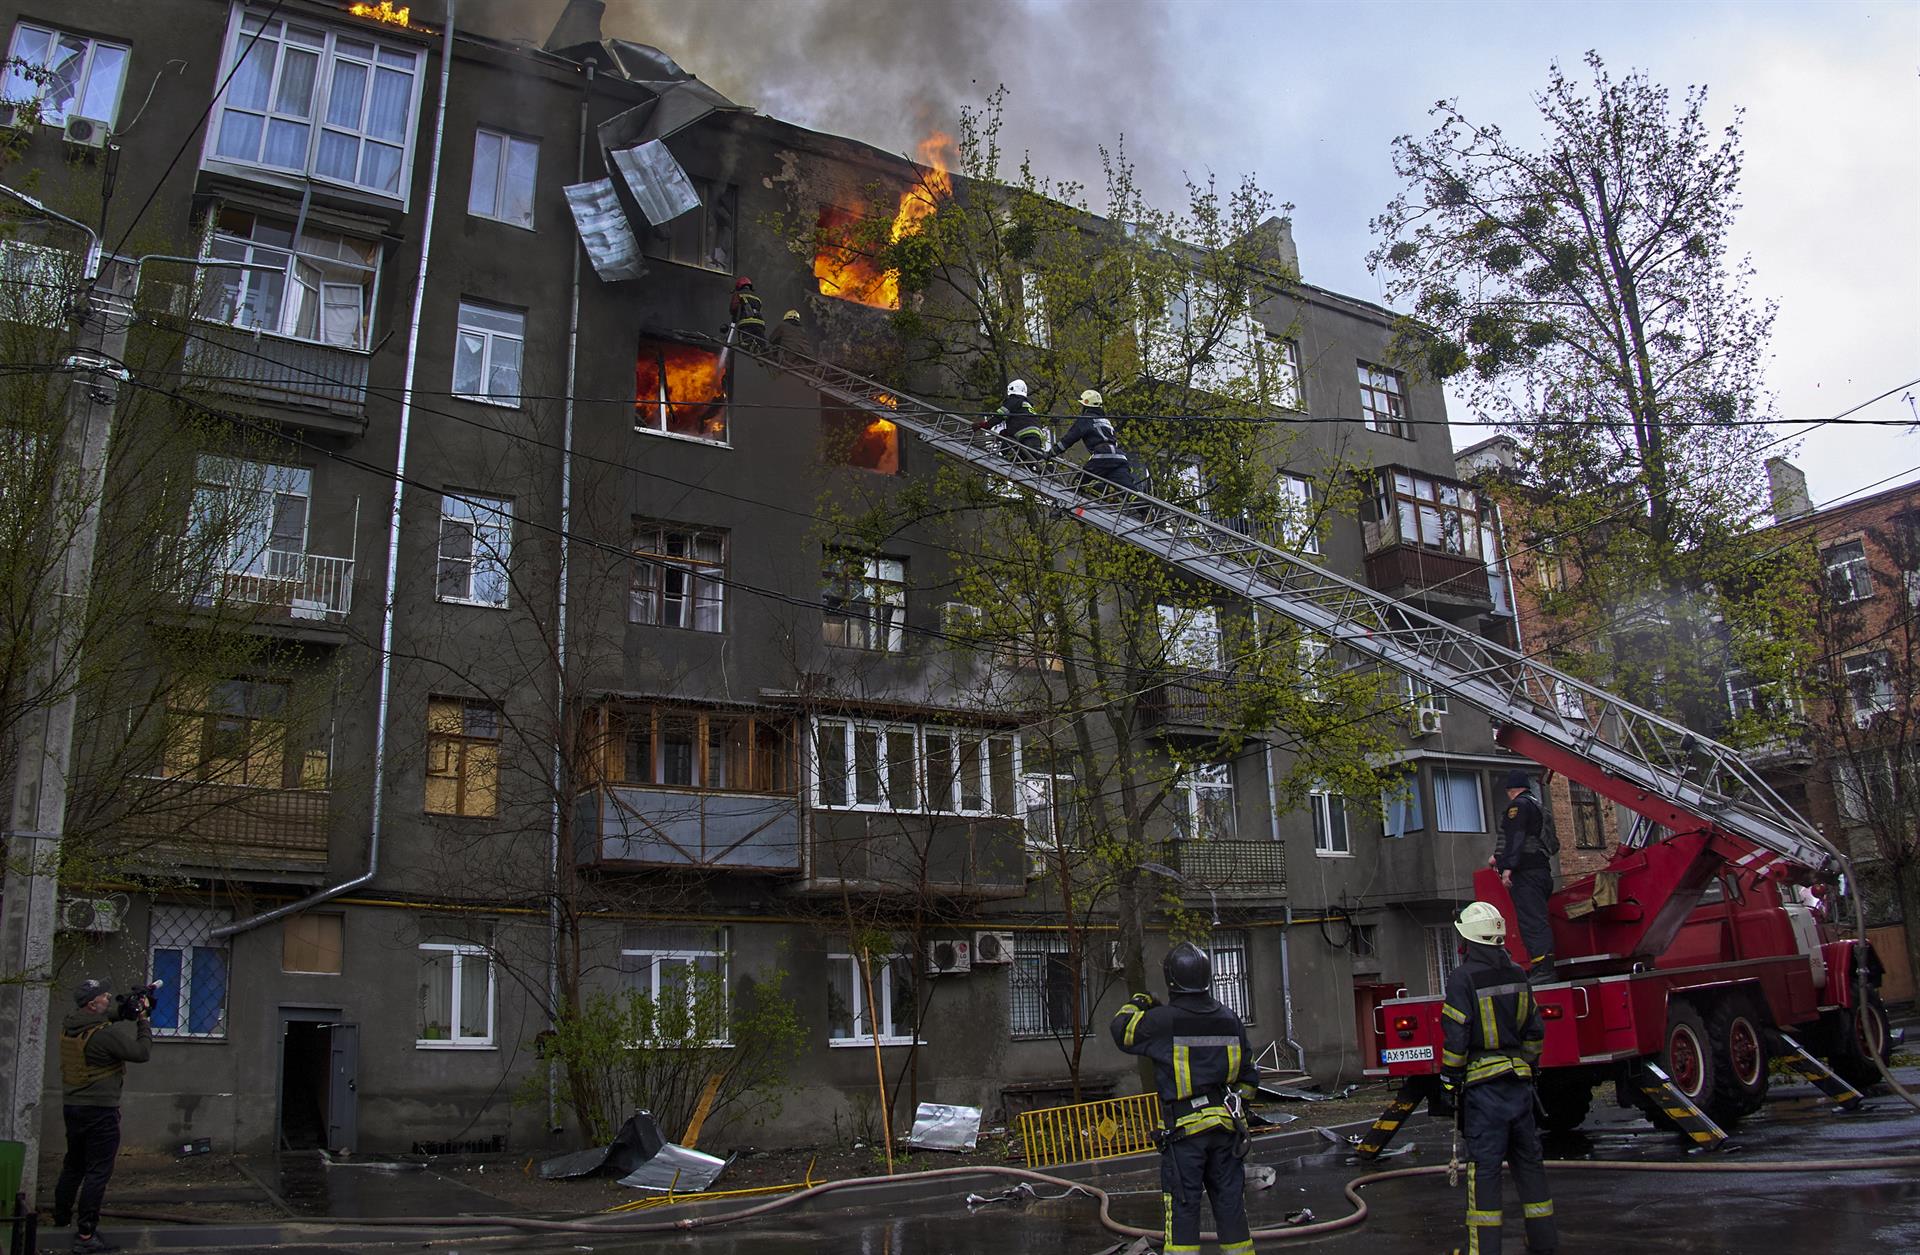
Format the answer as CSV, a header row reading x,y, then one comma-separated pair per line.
x,y
875,612
490,547
1377,383
774,777
631,947
317,119
1589,817
1237,985
1405,501
884,738
1053,952
1190,637
1409,806
253,722
1039,792
1283,386
502,171
1442,814
460,747
490,339
1299,531
1877,670
1323,805
233,495
704,581
339,918
188,931
882,966
716,197
37,93
248,293
1203,782
460,954
1855,573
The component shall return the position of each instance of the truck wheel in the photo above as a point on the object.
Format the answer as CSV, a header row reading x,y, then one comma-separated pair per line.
x,y
1860,1043
1689,1057
1564,1102
1740,1060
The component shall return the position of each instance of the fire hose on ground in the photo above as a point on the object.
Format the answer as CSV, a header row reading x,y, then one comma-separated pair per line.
x,y
1352,1188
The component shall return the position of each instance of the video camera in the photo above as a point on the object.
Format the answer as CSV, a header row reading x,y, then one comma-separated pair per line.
x,y
134,1003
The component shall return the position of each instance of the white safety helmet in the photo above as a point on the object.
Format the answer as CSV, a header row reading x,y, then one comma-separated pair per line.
x,y
1090,397
1482,922
1018,388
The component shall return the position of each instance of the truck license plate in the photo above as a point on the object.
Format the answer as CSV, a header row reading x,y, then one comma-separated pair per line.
x,y
1406,1054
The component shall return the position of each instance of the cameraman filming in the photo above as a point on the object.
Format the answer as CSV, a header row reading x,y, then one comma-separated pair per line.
x,y
97,1042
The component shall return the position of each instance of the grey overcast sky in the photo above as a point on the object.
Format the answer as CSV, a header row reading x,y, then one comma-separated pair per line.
x,y
1309,96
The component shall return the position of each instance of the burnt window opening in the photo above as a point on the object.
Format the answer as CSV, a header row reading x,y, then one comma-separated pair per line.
x,y
682,747
858,438
701,237
847,270
679,390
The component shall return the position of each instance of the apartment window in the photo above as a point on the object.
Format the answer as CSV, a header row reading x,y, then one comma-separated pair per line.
x,y
318,287
859,438
679,390
487,354
1046,798
1848,577
1329,815
1421,695
1312,654
314,943
476,537
1383,407
504,169
1869,679
1401,805
905,767
1204,340
1569,700
1299,523
865,597
231,732
1459,803
456,994
1443,955
679,577
1437,514
253,515
1496,569
1040,987
1880,785
192,965
681,972
701,237
77,77
1231,987
1364,941
1747,695
36,284
850,1020
1282,379
1548,567
310,100
1208,813
463,757
1589,823
681,747
1192,636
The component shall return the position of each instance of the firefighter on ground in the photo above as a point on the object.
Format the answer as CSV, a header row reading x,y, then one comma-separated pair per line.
x,y
1521,858
1016,421
1492,1047
791,337
1104,458
1204,1073
745,310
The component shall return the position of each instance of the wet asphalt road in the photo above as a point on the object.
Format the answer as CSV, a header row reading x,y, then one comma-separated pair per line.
x,y
1814,1211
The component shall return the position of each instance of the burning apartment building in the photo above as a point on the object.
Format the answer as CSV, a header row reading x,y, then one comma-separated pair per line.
x,y
477,304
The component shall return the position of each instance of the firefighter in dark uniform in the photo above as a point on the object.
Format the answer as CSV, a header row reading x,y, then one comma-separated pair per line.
x,y
1104,457
1521,858
748,320
1492,1046
1016,421
1204,1072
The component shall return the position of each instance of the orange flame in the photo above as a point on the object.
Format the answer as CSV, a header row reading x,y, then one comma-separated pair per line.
x,y
839,271
384,12
680,388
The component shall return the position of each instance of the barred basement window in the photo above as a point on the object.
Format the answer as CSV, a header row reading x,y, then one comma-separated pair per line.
x,y
1231,986
1040,987
192,964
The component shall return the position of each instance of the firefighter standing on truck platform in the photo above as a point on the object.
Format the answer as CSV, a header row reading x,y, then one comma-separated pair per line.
x,y
1526,871
1204,1072
1492,1047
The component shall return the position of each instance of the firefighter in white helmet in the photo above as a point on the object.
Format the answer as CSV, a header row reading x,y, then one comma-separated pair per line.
x,y
1016,421
1490,1057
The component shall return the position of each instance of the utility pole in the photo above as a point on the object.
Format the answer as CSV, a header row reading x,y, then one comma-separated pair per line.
x,y
37,802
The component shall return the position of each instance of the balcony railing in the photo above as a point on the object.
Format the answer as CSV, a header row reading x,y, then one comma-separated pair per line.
x,y
625,825
308,586
1184,705
1233,868
270,368
193,823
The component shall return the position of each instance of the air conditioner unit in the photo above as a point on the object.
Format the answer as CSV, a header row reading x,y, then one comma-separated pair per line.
x,y
86,132
89,915
992,948
949,958
1426,721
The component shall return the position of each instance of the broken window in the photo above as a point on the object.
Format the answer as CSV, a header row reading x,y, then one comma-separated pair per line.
x,y
852,437
1383,405
700,237
504,167
679,577
664,745
865,597
679,390
319,288
845,268
463,757
67,75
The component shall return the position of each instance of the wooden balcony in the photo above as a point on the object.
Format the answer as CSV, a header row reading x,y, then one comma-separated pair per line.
x,y
198,825
313,385
627,827
1233,868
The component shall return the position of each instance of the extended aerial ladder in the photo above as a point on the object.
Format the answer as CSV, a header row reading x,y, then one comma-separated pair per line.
x,y
1719,809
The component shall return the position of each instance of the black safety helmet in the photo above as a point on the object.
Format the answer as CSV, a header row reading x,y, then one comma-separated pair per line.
x,y
1188,969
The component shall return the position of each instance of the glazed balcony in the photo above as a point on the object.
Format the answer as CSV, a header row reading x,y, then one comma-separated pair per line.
x,y
1430,540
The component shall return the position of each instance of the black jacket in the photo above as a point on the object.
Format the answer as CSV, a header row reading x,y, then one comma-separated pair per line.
x,y
1520,826
1492,1027
1097,432
1199,1050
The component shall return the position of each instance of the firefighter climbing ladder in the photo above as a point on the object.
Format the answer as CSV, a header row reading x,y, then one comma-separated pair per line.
x,y
1638,747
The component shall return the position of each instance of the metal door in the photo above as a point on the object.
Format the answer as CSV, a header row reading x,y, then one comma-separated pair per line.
x,y
343,1083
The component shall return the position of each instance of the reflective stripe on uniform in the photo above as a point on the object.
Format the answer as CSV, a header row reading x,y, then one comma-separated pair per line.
x,y
1490,1219
1238,1248
1182,1072
1539,1211
1166,1206
1450,1059
1489,1022
1134,1015
1198,1042
1453,1013
1233,1061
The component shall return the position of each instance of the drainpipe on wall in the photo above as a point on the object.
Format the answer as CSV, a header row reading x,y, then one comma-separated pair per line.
x,y
560,631
1286,967
377,811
